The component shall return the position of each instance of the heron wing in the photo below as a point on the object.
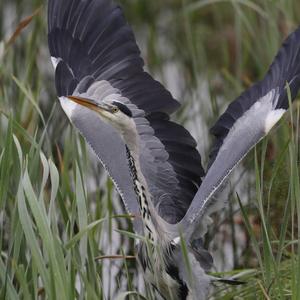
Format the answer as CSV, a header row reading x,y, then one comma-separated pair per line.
x,y
95,52
246,121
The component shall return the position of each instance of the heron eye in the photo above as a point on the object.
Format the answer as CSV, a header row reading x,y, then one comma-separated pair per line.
x,y
115,110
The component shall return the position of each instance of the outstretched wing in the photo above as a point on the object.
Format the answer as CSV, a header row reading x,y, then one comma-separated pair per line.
x,y
246,121
94,52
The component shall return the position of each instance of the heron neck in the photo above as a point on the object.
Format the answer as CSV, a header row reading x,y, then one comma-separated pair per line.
x,y
143,196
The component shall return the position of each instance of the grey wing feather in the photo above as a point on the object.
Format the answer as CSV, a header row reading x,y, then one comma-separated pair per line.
x,y
95,52
183,160
117,168
246,121
246,132
284,69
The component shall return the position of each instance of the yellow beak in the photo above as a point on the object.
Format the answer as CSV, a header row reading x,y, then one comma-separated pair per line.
x,y
89,103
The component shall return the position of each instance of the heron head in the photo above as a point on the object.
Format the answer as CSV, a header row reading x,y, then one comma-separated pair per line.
x,y
114,113
111,111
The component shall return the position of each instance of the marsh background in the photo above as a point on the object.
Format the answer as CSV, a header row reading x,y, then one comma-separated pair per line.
x,y
59,213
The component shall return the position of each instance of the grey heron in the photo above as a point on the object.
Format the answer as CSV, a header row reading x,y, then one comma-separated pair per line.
x,y
124,115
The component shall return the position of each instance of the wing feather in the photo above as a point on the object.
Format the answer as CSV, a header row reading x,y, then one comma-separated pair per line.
x,y
284,69
96,54
246,121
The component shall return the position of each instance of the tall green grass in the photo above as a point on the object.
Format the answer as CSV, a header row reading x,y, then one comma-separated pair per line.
x,y
59,213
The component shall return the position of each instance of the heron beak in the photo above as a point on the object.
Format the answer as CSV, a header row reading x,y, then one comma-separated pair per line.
x,y
89,103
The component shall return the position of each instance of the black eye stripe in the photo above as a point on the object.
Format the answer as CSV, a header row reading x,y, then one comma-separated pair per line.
x,y
123,108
